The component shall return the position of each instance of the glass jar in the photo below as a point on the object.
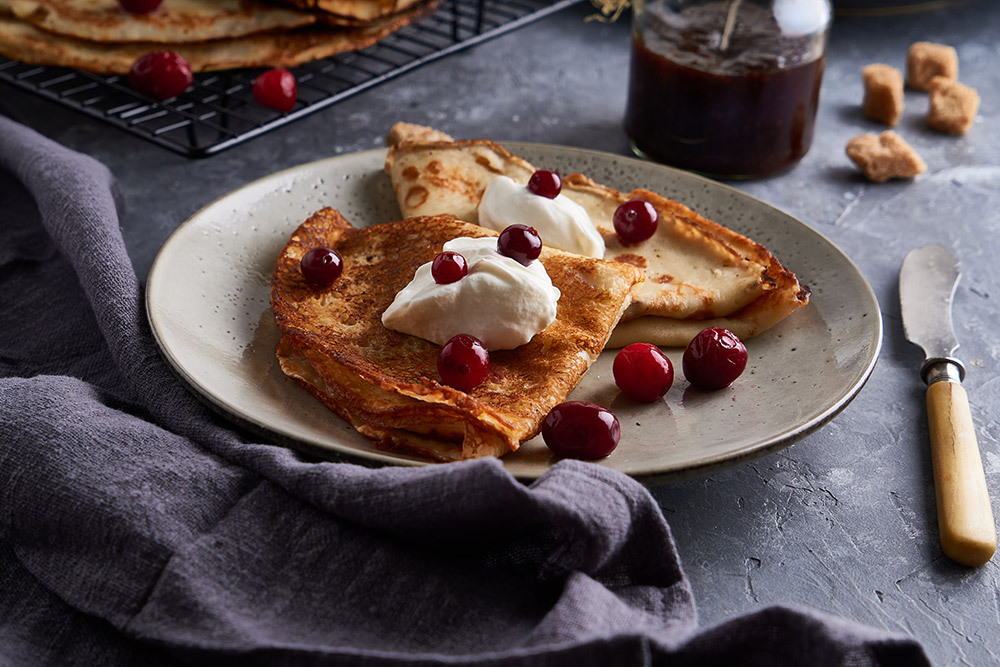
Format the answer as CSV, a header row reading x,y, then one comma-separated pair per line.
x,y
728,88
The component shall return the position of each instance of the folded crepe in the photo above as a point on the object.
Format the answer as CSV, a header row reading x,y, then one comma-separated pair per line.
x,y
698,272
385,383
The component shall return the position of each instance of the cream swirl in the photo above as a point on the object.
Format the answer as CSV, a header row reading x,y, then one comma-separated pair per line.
x,y
561,222
500,302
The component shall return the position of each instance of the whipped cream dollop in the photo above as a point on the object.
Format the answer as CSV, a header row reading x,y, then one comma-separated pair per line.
x,y
500,301
561,222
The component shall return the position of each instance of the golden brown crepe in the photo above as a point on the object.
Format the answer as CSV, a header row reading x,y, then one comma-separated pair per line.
x,y
352,11
385,383
698,273
23,41
175,21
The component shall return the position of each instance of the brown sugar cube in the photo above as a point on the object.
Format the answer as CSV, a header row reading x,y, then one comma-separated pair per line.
x,y
926,61
883,93
952,107
884,156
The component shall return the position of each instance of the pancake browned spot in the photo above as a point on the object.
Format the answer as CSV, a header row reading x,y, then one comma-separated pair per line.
x,y
634,260
416,195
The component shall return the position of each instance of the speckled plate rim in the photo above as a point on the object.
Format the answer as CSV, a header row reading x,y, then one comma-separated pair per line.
x,y
783,437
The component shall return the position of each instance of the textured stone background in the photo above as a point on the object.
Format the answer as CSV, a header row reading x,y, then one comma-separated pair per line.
x,y
844,520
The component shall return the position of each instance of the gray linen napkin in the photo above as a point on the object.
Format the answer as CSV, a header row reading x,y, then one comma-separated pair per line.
x,y
137,528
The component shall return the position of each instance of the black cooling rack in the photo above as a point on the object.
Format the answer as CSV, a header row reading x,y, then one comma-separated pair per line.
x,y
219,112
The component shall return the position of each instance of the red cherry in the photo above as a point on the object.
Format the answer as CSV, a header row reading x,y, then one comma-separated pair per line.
x,y
448,267
643,372
276,89
521,243
321,266
580,430
463,362
714,359
161,74
635,221
545,183
139,6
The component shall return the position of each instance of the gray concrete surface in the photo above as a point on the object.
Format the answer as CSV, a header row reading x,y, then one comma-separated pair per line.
x,y
842,521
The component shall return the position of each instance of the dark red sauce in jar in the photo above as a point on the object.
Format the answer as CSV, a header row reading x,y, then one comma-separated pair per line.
x,y
745,111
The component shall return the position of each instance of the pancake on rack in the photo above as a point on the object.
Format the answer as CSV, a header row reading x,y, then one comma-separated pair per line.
x,y
99,37
351,12
698,273
175,22
385,383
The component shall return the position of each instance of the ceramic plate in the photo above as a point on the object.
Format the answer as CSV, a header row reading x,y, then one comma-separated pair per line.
x,y
208,299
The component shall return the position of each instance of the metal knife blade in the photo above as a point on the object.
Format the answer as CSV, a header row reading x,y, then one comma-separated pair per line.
x,y
927,285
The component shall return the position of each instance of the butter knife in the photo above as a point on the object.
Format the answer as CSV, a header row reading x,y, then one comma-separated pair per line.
x,y
927,285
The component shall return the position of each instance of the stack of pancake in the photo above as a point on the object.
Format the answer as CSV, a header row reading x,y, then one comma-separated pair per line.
x,y
99,36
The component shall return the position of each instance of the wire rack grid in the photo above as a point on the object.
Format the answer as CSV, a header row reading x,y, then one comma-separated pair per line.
x,y
219,111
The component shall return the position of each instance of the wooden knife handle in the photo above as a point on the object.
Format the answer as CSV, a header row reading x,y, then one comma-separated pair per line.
x,y
965,519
